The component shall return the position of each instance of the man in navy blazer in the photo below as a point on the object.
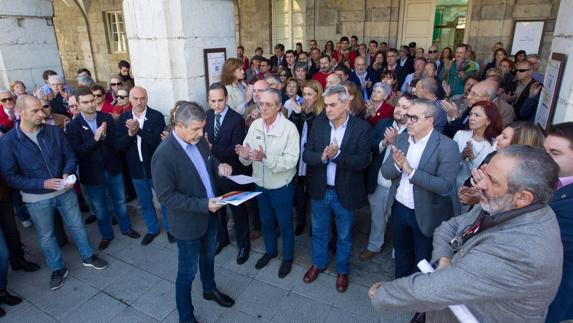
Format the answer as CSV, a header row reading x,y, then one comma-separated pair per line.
x,y
559,144
337,152
423,169
184,171
91,136
224,129
139,134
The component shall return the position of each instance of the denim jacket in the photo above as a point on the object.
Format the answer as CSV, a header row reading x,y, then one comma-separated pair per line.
x,y
25,166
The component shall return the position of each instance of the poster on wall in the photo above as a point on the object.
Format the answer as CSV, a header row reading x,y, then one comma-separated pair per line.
x,y
214,59
527,36
550,91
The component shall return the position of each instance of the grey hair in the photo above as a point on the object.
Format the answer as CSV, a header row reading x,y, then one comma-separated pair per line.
x,y
189,111
55,78
536,172
273,80
277,94
491,91
341,90
430,106
387,89
2,91
534,56
429,84
86,80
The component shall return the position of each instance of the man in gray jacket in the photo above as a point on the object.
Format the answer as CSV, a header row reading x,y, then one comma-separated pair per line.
x,y
503,260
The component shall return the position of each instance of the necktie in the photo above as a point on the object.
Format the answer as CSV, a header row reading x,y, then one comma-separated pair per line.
x,y
217,125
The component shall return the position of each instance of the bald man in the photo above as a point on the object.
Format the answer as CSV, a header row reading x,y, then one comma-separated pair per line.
x,y
139,134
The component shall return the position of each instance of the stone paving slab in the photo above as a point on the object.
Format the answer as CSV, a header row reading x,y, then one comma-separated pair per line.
x,y
139,285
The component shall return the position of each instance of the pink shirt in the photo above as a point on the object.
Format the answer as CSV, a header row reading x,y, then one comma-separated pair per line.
x,y
564,181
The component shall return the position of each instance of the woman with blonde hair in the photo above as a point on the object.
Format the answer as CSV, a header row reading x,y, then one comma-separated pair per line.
x,y
303,116
239,94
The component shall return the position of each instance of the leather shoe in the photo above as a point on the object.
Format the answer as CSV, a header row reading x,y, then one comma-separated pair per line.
x,y
312,274
220,247
299,230
219,297
147,239
263,261
341,282
104,244
254,235
26,266
367,255
285,268
243,255
8,299
133,234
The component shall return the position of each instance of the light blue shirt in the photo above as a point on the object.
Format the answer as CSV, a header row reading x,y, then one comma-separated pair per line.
x,y
337,133
193,153
91,122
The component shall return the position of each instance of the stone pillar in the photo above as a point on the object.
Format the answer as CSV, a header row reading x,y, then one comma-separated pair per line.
x,y
563,43
166,40
27,42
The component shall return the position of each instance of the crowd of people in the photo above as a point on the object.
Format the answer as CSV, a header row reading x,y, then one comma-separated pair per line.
x,y
439,146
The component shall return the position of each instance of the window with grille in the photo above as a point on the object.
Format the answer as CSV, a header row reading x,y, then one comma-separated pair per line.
x,y
116,37
288,22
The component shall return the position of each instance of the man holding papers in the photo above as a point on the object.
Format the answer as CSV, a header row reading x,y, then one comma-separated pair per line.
x,y
184,169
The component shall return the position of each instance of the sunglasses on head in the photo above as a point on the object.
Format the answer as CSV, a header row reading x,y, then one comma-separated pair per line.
x,y
6,99
116,84
521,70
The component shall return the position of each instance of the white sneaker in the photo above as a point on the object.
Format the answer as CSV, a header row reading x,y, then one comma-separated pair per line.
x,y
26,223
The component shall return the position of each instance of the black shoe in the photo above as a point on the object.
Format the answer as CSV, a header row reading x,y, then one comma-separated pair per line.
x,y
261,263
104,244
95,262
133,234
419,318
220,247
170,238
57,279
243,255
90,219
113,220
26,266
219,297
8,299
299,230
285,268
147,239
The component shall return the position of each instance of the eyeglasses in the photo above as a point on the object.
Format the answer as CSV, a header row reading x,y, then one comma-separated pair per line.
x,y
432,51
6,100
116,84
413,118
122,96
98,95
521,70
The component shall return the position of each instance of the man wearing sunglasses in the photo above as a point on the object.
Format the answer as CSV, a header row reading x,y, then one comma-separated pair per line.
x,y
522,86
7,111
434,55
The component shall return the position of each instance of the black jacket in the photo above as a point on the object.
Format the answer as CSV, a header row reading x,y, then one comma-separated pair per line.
x,y
94,157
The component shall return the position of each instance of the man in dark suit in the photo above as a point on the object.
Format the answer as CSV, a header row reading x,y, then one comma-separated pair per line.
x,y
423,171
91,136
184,170
337,152
559,144
224,129
139,134
278,59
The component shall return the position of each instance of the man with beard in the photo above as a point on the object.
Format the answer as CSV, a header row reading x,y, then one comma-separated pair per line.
x,y
503,260
124,68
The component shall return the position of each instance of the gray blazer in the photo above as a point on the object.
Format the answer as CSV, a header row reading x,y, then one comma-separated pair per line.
x,y
180,190
435,197
507,273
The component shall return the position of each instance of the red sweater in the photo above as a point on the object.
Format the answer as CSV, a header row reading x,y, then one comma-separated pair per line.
x,y
384,111
321,78
107,107
5,122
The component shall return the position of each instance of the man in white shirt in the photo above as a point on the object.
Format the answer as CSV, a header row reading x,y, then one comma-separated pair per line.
x,y
423,170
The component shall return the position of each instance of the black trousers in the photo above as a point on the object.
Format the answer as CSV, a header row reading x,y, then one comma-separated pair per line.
x,y
241,218
301,200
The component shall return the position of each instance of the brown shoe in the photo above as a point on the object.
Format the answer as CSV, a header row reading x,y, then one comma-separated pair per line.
x,y
312,274
254,235
367,255
341,282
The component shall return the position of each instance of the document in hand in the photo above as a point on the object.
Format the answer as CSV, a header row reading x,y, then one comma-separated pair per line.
x,y
243,179
236,198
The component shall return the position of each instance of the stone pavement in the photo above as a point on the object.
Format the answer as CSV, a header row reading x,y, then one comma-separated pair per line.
x,y
139,285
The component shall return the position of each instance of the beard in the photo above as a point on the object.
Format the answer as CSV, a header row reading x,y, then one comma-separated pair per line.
x,y
497,205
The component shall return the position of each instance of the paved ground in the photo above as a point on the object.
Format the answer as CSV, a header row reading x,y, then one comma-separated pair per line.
x,y
139,285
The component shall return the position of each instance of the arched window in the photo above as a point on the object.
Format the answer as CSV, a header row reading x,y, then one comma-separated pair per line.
x,y
288,22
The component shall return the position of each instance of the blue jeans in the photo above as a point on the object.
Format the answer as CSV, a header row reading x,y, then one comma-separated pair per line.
x,y
4,257
343,219
410,244
191,252
97,195
143,189
42,214
277,203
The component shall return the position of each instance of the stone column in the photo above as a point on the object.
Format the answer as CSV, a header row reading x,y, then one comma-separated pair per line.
x,y
27,42
166,40
563,43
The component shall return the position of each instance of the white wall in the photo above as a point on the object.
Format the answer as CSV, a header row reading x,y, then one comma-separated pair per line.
x,y
563,43
27,42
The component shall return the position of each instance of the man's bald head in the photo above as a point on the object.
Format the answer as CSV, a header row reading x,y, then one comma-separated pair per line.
x,y
139,90
481,91
26,101
138,98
